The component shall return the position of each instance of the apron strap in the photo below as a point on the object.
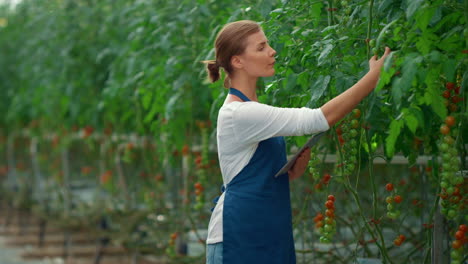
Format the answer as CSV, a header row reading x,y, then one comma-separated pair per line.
x,y
239,94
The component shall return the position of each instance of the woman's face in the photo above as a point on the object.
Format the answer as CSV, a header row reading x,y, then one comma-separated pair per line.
x,y
258,59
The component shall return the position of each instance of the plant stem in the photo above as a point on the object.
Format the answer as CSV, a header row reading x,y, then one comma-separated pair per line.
x,y
369,26
348,186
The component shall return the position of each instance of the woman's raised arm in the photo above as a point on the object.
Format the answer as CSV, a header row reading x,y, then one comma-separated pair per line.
x,y
335,109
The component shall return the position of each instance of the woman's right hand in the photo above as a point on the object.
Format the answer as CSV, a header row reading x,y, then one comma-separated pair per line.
x,y
376,64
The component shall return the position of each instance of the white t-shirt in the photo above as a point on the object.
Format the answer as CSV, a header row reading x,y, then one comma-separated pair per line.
x,y
241,126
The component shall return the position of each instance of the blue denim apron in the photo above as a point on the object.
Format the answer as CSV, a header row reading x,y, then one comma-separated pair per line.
x,y
257,221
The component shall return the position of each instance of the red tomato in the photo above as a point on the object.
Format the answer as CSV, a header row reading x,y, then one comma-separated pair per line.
x,y
450,121
446,94
463,228
449,85
319,224
457,244
456,99
459,235
397,242
453,107
331,197
402,238
444,129
398,199
329,204
318,217
198,186
389,187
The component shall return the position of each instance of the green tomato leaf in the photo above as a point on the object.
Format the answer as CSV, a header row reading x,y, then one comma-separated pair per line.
x,y
418,114
410,120
423,17
291,82
409,69
426,41
383,32
387,73
315,12
395,128
146,99
318,88
432,96
324,54
412,7
449,68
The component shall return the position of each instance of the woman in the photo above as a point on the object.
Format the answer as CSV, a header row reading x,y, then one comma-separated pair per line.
x,y
252,221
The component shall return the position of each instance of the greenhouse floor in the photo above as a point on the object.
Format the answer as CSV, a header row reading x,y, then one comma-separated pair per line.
x,y
12,255
19,245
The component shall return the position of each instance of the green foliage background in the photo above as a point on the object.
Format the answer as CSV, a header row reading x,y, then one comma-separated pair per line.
x,y
134,65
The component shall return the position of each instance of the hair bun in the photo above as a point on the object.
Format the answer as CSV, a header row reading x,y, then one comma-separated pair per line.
x,y
212,67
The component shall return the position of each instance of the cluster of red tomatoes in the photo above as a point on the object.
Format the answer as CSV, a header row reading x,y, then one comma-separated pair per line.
x,y
399,240
451,194
326,225
452,94
170,250
393,202
457,253
323,182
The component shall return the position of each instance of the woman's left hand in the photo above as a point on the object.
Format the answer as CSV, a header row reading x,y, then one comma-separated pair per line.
x,y
300,165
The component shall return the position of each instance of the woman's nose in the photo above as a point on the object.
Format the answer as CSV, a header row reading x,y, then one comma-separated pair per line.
x,y
272,52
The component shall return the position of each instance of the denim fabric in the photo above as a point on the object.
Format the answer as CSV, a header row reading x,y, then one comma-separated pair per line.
x,y
214,253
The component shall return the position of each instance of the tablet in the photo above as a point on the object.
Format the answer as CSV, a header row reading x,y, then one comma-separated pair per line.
x,y
311,142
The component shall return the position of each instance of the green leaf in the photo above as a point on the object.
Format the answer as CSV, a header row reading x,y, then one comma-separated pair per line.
x,y
423,17
426,42
384,30
291,82
315,12
432,95
395,127
449,68
434,56
387,72
318,88
324,54
147,98
401,85
410,120
417,113
172,105
413,6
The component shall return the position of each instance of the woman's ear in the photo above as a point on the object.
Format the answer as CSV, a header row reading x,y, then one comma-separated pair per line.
x,y
236,62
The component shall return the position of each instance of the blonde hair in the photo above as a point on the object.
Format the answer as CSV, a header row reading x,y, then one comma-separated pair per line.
x,y
230,41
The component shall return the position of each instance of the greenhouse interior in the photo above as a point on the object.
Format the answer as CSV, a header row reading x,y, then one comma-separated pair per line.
x,y
109,130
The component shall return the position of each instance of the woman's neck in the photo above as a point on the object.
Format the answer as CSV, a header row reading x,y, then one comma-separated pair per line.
x,y
248,86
